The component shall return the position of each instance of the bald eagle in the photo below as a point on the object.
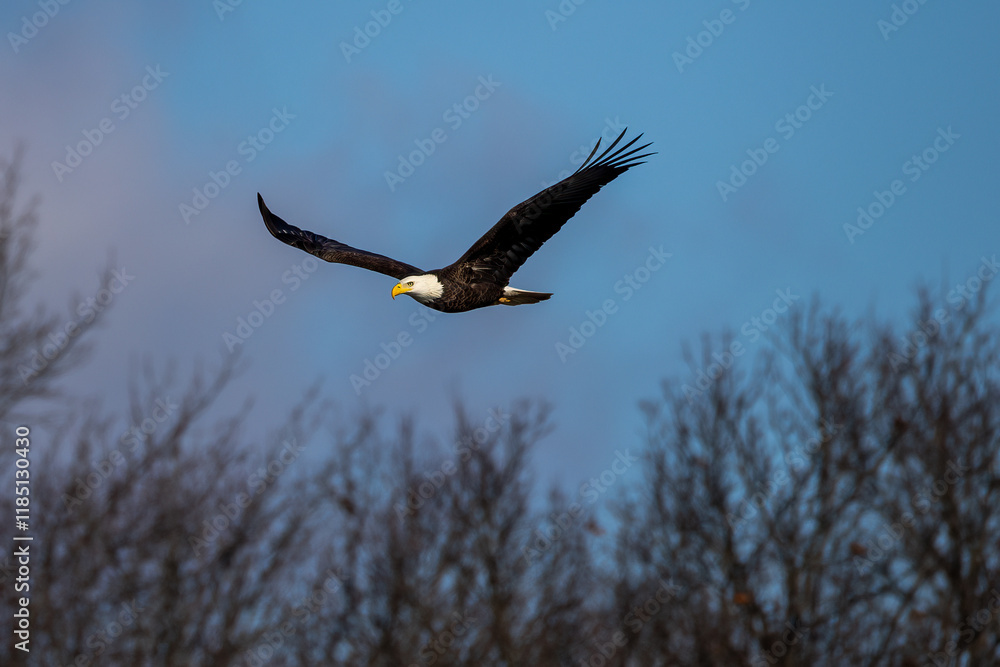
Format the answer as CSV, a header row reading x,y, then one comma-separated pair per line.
x,y
479,277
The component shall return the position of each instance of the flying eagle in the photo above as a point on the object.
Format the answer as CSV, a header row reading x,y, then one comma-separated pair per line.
x,y
479,277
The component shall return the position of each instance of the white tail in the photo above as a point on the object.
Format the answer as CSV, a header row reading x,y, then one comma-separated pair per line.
x,y
519,297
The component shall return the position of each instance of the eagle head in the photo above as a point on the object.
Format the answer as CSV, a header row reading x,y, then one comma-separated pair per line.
x,y
423,288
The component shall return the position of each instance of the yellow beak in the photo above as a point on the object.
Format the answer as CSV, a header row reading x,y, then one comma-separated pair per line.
x,y
399,289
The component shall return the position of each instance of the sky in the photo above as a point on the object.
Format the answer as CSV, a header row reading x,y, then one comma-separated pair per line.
x,y
846,150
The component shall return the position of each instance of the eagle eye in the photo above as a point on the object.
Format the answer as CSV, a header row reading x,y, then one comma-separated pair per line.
x,y
409,283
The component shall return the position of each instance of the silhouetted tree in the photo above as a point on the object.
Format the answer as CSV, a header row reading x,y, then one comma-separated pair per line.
x,y
837,503
39,347
833,500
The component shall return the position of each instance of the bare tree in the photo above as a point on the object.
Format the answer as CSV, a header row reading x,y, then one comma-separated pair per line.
x,y
836,504
832,501
36,348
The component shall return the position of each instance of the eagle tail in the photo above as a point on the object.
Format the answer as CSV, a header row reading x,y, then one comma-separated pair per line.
x,y
519,297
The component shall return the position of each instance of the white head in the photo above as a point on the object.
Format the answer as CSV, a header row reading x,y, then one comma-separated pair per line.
x,y
423,288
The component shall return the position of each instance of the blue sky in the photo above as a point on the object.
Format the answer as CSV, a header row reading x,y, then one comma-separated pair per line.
x,y
818,108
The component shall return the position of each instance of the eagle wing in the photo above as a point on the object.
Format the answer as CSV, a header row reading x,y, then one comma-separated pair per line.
x,y
524,228
330,250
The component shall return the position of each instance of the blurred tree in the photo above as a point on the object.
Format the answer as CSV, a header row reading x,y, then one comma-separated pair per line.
x,y
838,505
834,503
36,349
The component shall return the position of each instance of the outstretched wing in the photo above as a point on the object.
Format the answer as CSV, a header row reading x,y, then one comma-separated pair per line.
x,y
330,250
531,223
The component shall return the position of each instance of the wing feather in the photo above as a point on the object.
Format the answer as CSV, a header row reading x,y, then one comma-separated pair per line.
x,y
330,250
524,228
